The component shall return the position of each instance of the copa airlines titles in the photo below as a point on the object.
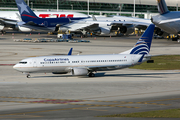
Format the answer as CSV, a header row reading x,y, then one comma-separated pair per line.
x,y
56,59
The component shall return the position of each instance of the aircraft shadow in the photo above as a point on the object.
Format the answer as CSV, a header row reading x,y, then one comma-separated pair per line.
x,y
146,75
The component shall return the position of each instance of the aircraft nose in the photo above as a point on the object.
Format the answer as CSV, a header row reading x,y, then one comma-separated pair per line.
x,y
16,67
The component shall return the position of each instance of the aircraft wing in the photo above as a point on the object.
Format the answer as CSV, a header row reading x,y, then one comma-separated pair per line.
x,y
128,23
7,21
82,25
33,25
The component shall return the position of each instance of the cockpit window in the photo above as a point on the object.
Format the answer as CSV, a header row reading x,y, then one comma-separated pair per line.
x,y
22,62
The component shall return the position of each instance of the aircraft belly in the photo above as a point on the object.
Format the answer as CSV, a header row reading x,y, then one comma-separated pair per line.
x,y
170,28
44,69
112,67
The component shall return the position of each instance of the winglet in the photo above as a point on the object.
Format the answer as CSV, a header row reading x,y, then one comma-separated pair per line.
x,y
70,51
26,13
94,18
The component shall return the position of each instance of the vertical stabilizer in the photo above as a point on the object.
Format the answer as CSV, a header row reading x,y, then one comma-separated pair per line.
x,y
24,10
162,7
143,45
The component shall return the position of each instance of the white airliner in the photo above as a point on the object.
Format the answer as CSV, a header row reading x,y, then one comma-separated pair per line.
x,y
9,19
86,64
75,25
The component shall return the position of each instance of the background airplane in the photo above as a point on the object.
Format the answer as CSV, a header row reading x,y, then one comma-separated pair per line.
x,y
168,21
82,65
9,19
84,26
32,21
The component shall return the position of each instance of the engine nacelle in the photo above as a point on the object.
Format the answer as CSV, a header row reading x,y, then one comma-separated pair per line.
x,y
102,31
159,32
1,27
127,29
62,29
24,29
79,71
123,29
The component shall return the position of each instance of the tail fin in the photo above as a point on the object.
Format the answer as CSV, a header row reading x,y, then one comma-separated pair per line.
x,y
143,45
162,7
26,13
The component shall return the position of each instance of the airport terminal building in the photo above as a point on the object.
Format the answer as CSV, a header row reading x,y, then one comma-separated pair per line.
x,y
113,7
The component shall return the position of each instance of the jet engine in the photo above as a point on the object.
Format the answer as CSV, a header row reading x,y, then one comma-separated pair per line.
x,y
161,33
128,29
79,71
102,31
1,27
24,29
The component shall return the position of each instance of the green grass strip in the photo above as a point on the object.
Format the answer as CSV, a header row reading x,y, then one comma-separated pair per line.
x,y
171,113
166,62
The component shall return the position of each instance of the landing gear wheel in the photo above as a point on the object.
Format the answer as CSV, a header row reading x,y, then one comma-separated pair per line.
x,y
3,32
91,74
28,76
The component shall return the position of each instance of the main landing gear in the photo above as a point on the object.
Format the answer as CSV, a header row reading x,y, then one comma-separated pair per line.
x,y
28,75
91,74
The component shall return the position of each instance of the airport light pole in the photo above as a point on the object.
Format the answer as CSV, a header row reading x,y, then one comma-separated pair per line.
x,y
88,7
31,5
28,2
57,5
134,7
72,6
177,7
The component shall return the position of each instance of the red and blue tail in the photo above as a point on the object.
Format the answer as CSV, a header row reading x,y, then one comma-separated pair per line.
x,y
26,13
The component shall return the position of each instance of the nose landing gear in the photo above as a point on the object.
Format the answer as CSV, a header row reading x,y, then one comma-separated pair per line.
x,y
91,74
28,75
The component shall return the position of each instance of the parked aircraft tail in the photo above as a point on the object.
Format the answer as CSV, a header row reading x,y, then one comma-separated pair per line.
x,y
26,13
162,7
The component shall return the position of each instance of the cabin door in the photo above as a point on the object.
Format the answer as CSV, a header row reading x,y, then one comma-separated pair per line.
x,y
34,63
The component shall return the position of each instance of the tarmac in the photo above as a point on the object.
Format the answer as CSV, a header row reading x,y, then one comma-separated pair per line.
x,y
49,96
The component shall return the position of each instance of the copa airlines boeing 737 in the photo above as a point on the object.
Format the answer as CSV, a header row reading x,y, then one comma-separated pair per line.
x,y
87,64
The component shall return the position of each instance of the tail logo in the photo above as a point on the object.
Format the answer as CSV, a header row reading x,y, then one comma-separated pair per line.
x,y
23,7
141,47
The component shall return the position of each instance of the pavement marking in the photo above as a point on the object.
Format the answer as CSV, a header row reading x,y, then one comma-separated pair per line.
x,y
164,100
24,113
134,94
71,101
97,105
19,116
